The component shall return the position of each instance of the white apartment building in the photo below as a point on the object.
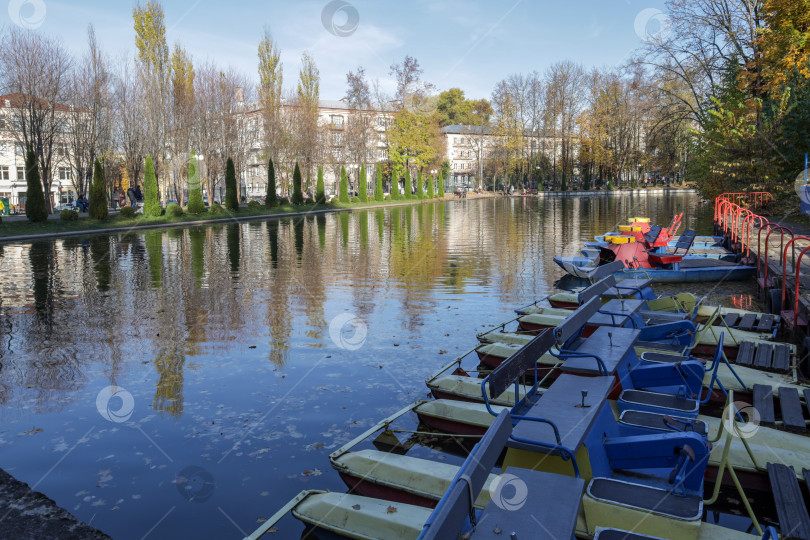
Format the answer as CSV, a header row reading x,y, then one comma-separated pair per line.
x,y
335,126
469,148
12,161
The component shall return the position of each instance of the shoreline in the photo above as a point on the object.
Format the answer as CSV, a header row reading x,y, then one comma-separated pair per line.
x,y
316,210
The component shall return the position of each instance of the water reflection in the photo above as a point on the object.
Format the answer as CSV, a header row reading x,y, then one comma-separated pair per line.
x,y
215,328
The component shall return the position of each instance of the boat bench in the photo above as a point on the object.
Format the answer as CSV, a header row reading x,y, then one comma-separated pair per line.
x,y
616,312
610,344
774,357
562,404
794,521
792,418
661,317
553,500
749,322
627,288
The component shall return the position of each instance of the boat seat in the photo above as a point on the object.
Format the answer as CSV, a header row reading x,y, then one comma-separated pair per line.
x,y
618,534
555,512
611,344
658,346
662,422
597,289
663,357
661,317
646,498
630,287
645,400
794,521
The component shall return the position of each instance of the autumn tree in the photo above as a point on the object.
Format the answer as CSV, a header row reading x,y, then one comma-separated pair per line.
x,y
271,77
182,119
154,68
307,107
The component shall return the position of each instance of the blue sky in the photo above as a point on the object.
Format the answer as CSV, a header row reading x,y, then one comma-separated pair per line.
x,y
471,45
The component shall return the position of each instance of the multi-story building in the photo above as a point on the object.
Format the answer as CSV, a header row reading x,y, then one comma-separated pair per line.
x,y
13,184
470,149
347,137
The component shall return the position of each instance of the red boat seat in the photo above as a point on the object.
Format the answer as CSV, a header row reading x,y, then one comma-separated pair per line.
x,y
659,259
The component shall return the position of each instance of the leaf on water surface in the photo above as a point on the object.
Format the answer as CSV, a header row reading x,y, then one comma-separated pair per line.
x,y
30,431
313,472
442,351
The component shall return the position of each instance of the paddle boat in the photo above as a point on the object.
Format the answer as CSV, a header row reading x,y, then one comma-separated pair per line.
x,y
625,306
634,467
644,260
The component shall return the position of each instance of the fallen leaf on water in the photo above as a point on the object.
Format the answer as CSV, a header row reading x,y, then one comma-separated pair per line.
x,y
442,351
31,431
392,509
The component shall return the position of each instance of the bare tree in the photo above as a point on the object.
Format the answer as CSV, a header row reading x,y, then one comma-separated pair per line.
x,y
129,132
92,91
35,70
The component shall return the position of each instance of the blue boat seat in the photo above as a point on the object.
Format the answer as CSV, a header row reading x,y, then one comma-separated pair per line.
x,y
645,400
661,422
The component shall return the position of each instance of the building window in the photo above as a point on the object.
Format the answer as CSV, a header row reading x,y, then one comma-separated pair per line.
x,y
337,139
383,154
336,120
20,173
2,122
65,174
4,173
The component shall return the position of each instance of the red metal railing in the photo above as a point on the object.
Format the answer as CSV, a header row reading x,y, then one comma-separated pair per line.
x,y
753,199
797,267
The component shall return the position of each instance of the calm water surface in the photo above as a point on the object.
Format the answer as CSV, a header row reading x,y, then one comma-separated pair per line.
x,y
241,355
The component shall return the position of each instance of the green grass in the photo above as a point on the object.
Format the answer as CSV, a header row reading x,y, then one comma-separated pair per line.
x,y
57,226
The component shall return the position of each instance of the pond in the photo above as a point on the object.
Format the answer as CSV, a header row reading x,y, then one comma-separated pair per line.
x,y
189,381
